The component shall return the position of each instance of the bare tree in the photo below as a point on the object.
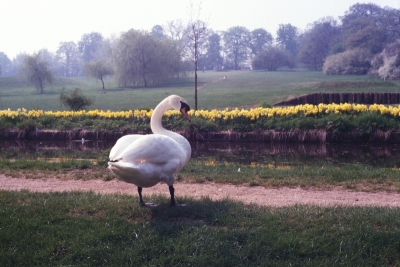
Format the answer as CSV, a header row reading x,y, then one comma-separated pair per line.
x,y
197,36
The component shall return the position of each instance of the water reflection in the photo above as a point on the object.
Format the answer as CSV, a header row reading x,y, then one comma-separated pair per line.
x,y
244,153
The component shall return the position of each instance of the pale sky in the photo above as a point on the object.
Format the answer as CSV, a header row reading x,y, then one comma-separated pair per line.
x,y
31,25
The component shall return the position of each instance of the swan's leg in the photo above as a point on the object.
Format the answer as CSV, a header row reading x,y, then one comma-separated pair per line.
x,y
139,189
141,202
172,191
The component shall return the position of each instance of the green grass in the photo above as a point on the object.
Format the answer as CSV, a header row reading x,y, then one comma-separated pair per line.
x,y
241,89
87,229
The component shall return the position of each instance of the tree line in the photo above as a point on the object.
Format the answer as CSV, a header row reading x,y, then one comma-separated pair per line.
x,y
363,40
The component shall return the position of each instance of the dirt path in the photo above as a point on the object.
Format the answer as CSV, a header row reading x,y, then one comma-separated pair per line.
x,y
259,195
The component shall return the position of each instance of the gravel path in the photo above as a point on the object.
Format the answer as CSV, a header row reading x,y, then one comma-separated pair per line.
x,y
277,197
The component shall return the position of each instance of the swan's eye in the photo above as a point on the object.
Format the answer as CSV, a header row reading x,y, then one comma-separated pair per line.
x,y
185,106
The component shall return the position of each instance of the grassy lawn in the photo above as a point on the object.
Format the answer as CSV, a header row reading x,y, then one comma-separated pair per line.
x,y
241,89
87,229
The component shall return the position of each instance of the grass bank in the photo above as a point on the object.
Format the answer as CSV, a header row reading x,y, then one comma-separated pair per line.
x,y
241,89
86,229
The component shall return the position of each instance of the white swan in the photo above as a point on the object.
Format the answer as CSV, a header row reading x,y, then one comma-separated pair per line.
x,y
146,160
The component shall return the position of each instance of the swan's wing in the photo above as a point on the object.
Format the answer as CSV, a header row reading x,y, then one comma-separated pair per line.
x,y
154,148
122,143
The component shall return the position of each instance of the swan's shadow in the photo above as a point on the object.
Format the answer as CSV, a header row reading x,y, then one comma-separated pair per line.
x,y
197,213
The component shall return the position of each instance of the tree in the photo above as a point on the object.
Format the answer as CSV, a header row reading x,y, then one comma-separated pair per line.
x,y
213,58
88,45
143,60
287,38
198,31
318,42
36,71
5,65
177,31
364,33
272,59
98,69
237,40
69,55
260,39
157,31
75,100
370,26
54,63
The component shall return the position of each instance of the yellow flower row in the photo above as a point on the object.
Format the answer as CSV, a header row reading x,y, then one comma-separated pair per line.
x,y
252,114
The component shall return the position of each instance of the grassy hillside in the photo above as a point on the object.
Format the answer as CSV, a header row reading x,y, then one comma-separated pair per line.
x,y
240,89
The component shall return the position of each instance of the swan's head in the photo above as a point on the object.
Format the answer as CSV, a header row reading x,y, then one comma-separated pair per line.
x,y
180,104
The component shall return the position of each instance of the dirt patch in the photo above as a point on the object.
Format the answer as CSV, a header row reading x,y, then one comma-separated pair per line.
x,y
276,197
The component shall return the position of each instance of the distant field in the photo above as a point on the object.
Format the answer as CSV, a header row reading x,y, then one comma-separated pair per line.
x,y
240,89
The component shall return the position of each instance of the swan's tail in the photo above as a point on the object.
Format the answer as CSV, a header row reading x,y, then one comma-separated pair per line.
x,y
124,170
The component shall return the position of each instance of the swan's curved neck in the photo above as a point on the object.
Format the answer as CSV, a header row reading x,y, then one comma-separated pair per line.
x,y
155,121
157,128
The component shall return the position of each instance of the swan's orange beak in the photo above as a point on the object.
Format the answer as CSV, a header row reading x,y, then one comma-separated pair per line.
x,y
184,111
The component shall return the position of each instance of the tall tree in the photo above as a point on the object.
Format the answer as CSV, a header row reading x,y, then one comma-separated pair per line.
x,y
36,71
158,31
364,33
89,44
213,58
69,54
318,42
237,41
5,64
260,40
370,27
178,31
287,38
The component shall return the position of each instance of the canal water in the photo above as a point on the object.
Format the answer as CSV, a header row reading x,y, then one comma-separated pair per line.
x,y
379,155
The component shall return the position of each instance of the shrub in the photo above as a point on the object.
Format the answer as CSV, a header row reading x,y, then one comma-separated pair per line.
x,y
356,61
75,100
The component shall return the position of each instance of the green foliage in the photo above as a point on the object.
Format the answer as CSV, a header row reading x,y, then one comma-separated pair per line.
x,y
287,37
236,41
99,70
89,44
364,33
272,59
213,59
370,26
356,61
260,40
317,43
75,100
144,60
36,72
